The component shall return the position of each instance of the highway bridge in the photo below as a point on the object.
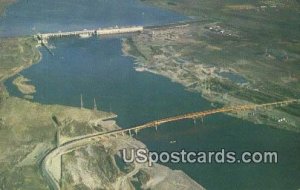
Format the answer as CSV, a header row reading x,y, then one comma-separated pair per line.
x,y
196,115
71,145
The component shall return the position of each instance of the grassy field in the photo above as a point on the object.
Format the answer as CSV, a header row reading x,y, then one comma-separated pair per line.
x,y
264,48
28,130
17,54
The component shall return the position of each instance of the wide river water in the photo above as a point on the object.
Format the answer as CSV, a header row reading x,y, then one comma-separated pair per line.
x,y
97,69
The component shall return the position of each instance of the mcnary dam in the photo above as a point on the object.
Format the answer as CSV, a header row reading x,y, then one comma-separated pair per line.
x,y
88,33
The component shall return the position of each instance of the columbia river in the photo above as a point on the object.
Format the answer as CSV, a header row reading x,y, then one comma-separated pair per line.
x,y
96,68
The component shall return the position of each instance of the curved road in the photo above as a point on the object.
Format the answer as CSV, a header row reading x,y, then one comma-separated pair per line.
x,y
88,139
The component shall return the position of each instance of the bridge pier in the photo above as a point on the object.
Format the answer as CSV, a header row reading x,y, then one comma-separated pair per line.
x,y
194,116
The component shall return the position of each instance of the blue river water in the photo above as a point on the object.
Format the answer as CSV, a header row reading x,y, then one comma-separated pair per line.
x,y
38,16
97,69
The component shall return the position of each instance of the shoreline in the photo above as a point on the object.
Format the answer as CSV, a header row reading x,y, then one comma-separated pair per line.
x,y
49,176
26,65
212,97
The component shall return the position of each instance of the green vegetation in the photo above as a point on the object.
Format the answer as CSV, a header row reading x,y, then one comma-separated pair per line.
x,y
21,131
263,46
216,9
258,40
28,130
24,136
133,49
17,54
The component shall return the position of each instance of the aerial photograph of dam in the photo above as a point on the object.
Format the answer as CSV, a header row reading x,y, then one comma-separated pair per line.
x,y
150,94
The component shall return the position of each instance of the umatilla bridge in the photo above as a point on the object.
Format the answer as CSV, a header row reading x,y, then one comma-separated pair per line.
x,y
197,115
194,116
53,158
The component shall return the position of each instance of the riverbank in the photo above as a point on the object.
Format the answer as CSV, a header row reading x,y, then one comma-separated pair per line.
x,y
17,54
111,172
30,130
227,65
78,62
33,127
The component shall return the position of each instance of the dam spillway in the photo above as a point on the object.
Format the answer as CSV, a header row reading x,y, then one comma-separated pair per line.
x,y
87,33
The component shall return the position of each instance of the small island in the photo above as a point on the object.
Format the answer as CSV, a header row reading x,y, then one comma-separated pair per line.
x,y
23,85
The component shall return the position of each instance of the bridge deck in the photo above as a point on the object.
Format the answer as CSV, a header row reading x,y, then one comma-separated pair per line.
x,y
195,115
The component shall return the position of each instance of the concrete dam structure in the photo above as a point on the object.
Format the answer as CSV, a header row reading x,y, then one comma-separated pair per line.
x,y
88,33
